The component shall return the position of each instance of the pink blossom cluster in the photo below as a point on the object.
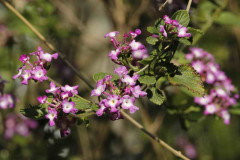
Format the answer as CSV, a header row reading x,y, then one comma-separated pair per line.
x,y
60,106
36,69
6,100
172,28
18,124
222,94
121,93
128,47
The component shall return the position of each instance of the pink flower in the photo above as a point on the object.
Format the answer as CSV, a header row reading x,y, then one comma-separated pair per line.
x,y
121,71
136,91
130,80
52,115
39,74
182,32
42,99
163,31
128,103
68,107
53,89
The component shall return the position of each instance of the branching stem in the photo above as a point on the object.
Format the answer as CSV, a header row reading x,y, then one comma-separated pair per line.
x,y
165,145
48,44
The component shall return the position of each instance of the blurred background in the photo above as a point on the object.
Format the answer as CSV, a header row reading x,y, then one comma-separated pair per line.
x,y
76,28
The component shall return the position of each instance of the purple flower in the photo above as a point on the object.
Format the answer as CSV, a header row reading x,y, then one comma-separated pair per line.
x,y
26,75
52,115
163,31
226,116
136,45
99,90
136,91
6,101
39,74
112,102
17,124
42,99
114,54
121,71
167,20
53,89
70,89
130,80
35,70
210,109
140,54
182,32
48,57
128,103
199,66
24,58
111,34
102,107
68,107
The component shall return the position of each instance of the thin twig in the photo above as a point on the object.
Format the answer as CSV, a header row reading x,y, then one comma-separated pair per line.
x,y
48,44
165,145
163,5
189,5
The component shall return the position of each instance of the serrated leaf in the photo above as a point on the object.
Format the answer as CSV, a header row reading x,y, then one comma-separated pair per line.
x,y
156,96
194,31
83,104
187,77
182,17
151,40
146,79
152,30
34,112
185,41
147,60
101,75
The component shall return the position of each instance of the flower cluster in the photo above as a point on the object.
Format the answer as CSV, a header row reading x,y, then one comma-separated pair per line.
x,y
35,70
221,95
172,28
128,49
60,106
6,100
18,124
121,93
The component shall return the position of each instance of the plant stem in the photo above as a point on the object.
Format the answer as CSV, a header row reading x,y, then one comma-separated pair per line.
x,y
189,5
165,145
48,44
143,69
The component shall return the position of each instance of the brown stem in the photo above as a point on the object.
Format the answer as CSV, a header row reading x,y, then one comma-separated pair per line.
x,y
165,145
48,44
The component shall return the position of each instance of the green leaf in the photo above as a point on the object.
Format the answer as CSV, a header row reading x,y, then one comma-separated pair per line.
x,y
188,78
185,41
182,17
34,112
228,18
152,30
147,60
101,75
83,104
146,79
151,40
194,31
156,96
